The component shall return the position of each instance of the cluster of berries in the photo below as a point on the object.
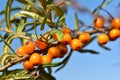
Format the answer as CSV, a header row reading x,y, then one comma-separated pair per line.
x,y
59,50
112,34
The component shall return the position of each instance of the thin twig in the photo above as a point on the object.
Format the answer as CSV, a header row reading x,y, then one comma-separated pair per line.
x,y
13,62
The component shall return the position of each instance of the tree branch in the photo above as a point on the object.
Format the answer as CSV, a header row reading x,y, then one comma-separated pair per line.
x,y
14,62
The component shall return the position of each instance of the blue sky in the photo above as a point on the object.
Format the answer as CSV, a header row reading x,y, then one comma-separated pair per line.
x,y
105,66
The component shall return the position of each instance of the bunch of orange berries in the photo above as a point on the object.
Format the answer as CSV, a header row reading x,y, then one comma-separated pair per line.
x,y
112,34
36,58
59,50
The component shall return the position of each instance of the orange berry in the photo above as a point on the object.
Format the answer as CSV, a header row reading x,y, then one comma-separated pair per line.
x,y
66,30
114,34
35,59
28,65
41,45
46,59
99,22
55,37
29,47
116,23
53,52
103,38
21,51
84,37
76,44
63,50
66,38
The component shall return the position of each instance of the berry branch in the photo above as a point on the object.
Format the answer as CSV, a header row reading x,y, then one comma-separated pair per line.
x,y
13,62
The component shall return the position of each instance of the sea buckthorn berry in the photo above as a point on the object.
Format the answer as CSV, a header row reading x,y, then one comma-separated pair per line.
x,y
28,65
41,45
63,50
116,23
29,47
114,34
53,52
46,59
66,30
76,44
35,59
21,51
103,38
66,38
55,37
99,22
84,37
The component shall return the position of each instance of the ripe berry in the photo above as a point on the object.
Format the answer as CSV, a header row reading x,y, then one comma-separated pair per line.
x,y
66,30
29,47
63,50
41,45
46,59
99,22
35,59
116,23
53,52
103,38
66,38
84,37
114,34
28,65
76,44
21,51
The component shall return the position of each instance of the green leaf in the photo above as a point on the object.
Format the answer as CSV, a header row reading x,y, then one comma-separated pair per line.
x,y
58,11
107,3
46,76
23,1
78,23
58,32
7,44
88,51
5,36
7,14
43,22
76,27
19,74
61,20
12,9
1,22
104,47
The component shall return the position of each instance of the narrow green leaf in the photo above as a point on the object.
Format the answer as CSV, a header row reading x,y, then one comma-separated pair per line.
x,y
107,3
58,11
7,14
88,51
5,36
76,27
7,44
43,22
12,9
104,47
1,22
22,1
